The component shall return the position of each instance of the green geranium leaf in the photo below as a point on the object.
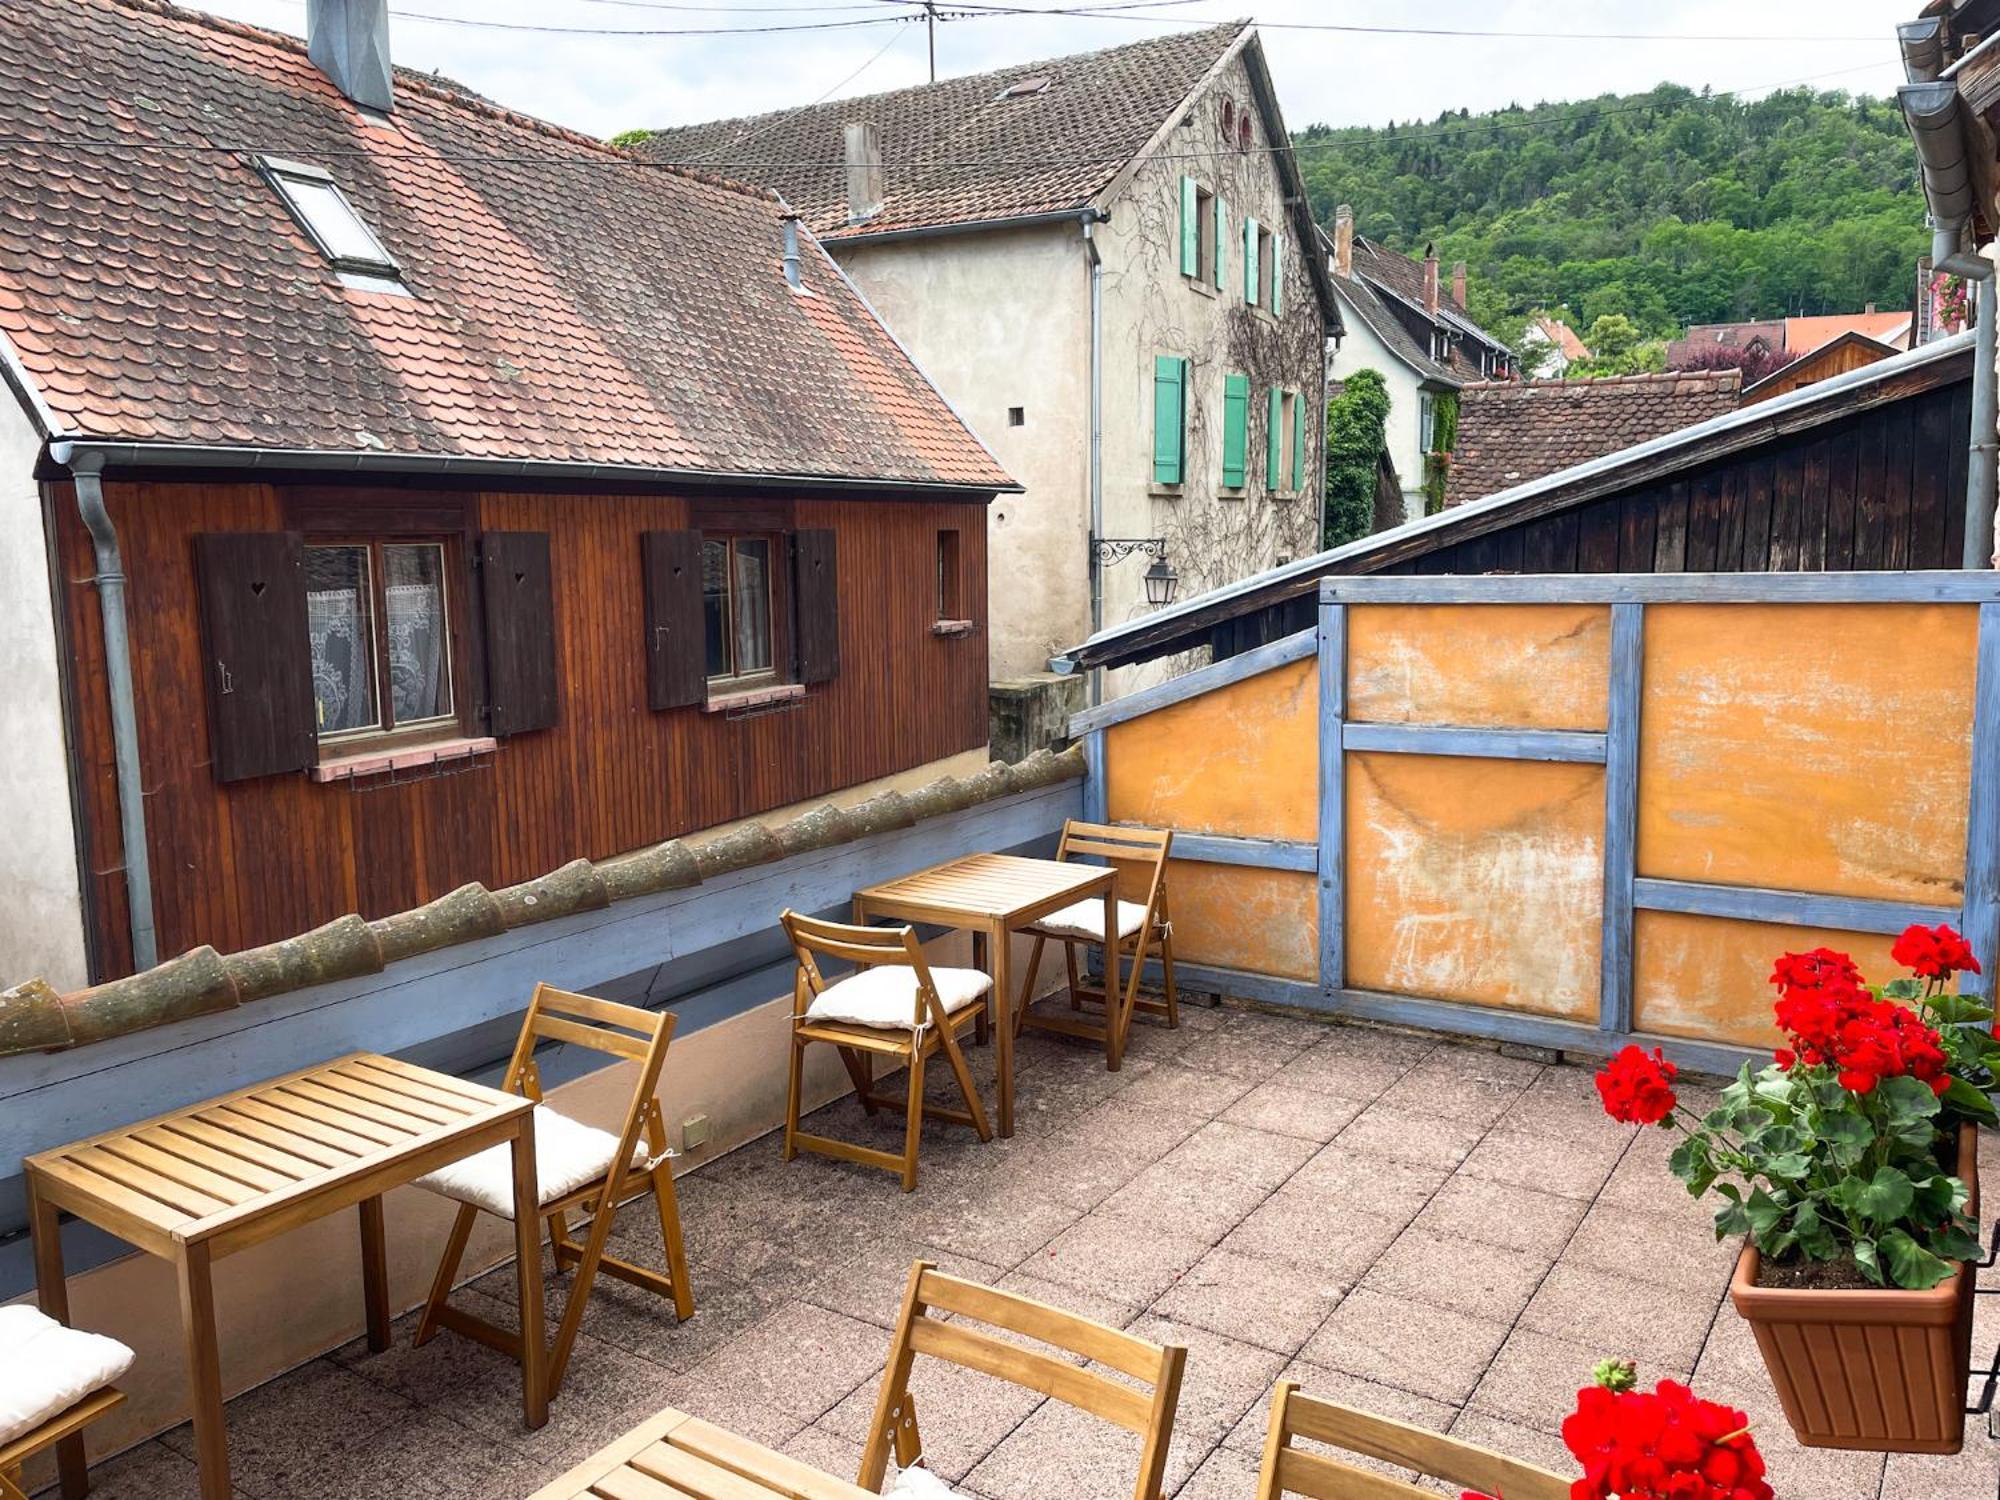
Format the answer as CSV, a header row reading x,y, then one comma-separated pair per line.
x,y
1866,1258
1938,1197
1813,1234
1970,1102
1693,1165
1765,1214
1902,989
1910,1264
1885,1197
1906,1098
1731,1219
1847,1137
1953,1243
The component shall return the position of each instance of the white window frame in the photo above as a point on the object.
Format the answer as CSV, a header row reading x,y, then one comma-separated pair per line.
x,y
281,173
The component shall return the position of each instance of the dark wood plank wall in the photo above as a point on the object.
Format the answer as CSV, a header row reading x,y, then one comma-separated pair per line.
x,y
1884,488
250,862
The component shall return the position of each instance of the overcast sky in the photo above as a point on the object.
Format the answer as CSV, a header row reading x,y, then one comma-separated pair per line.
x,y
603,83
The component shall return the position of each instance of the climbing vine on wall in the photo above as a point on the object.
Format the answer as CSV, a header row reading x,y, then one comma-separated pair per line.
x,y
1437,463
1356,423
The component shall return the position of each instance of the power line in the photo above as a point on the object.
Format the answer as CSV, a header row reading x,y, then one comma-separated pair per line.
x,y
609,158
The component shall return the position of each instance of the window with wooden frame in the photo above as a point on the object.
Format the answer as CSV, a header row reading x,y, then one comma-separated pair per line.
x,y
742,611
1202,225
379,623
954,616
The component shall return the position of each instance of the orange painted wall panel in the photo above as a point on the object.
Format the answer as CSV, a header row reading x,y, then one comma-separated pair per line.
x,y
1263,921
1506,666
1476,880
1709,977
1820,748
1241,760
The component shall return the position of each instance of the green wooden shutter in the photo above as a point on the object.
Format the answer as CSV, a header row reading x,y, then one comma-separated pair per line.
x,y
1235,429
1298,442
1190,230
1169,406
1274,478
1250,261
1277,275
1221,239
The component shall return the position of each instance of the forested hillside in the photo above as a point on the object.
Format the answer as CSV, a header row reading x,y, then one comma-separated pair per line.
x,y
1670,207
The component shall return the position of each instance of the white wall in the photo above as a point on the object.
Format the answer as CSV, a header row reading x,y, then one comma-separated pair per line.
x,y
1362,349
41,897
1151,309
1002,320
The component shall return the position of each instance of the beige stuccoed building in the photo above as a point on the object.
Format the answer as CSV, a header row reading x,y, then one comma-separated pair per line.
x,y
1105,262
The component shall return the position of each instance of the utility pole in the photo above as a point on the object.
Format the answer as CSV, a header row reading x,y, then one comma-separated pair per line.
x,y
930,26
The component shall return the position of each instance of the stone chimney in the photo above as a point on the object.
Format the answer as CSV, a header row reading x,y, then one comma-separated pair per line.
x,y
348,40
1343,241
1870,309
1431,280
1458,282
864,172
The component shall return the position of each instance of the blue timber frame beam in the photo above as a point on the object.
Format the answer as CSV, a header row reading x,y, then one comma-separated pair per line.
x,y
1484,744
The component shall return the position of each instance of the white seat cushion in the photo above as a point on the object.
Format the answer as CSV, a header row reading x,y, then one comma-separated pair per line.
x,y
567,1155
45,1368
920,1484
1084,920
885,997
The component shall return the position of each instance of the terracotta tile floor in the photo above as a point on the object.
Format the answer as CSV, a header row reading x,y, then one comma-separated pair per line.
x,y
1430,1230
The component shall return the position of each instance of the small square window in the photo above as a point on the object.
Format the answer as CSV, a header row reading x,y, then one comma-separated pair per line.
x,y
1017,416
379,631
736,606
1204,211
325,214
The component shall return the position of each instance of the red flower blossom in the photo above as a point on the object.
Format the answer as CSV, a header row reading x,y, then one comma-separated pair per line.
x,y
1820,970
1864,1039
1934,952
1666,1442
1638,1088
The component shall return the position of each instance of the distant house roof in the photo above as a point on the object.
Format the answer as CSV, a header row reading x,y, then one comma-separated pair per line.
x,y
1560,336
1386,291
1514,431
1803,335
564,304
1850,351
1187,624
1039,139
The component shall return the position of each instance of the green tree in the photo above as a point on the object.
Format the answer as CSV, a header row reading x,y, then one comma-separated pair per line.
x,y
1356,433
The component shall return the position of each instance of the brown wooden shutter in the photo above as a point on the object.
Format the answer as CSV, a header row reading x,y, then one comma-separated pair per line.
x,y
520,631
816,600
676,649
257,659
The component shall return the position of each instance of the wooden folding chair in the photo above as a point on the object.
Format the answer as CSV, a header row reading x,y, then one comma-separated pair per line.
x,y
1289,1470
576,1167
1140,854
896,1005
45,1435
1146,1409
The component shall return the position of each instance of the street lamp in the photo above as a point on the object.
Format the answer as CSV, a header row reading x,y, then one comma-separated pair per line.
x,y
1161,578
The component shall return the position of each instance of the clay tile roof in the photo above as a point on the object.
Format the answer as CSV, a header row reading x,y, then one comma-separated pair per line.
x,y
567,303
1803,335
1509,433
960,150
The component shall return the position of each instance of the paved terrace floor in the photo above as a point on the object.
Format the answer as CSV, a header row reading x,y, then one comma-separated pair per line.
x,y
1429,1230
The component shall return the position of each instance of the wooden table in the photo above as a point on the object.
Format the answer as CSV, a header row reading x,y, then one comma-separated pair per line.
x,y
990,895
215,1178
674,1456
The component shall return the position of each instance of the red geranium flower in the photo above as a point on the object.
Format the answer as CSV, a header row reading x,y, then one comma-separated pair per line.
x,y
1637,1087
1820,970
1934,952
1665,1442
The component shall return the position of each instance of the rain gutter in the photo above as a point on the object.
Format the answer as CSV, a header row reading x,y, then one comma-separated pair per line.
x,y
87,469
1096,689
969,226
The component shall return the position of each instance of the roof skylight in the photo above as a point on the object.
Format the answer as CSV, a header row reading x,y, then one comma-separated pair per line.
x,y
1024,88
325,214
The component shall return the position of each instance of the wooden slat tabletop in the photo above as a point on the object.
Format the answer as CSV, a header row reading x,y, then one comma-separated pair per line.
x,y
988,885
673,1456
197,1171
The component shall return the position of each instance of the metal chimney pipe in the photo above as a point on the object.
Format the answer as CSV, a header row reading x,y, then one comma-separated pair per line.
x,y
792,278
348,40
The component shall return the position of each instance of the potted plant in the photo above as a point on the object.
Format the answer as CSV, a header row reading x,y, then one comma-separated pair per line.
x,y
1663,1444
1849,1163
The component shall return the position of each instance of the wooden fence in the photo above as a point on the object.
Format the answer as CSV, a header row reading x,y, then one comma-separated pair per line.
x,y
1575,810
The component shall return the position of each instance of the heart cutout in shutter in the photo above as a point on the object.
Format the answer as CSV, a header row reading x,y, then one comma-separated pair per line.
x,y
520,578
257,587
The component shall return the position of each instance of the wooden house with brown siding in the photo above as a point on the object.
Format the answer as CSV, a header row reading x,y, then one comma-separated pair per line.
x,y
1864,471
427,496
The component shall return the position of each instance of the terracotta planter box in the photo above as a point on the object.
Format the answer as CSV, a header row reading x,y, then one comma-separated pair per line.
x,y
1883,1371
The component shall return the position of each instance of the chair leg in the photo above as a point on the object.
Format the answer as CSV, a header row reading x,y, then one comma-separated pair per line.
x,y
913,1127
794,1079
1028,983
1167,973
1069,958
558,1236
861,1068
670,1236
579,1292
454,1252
964,1076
